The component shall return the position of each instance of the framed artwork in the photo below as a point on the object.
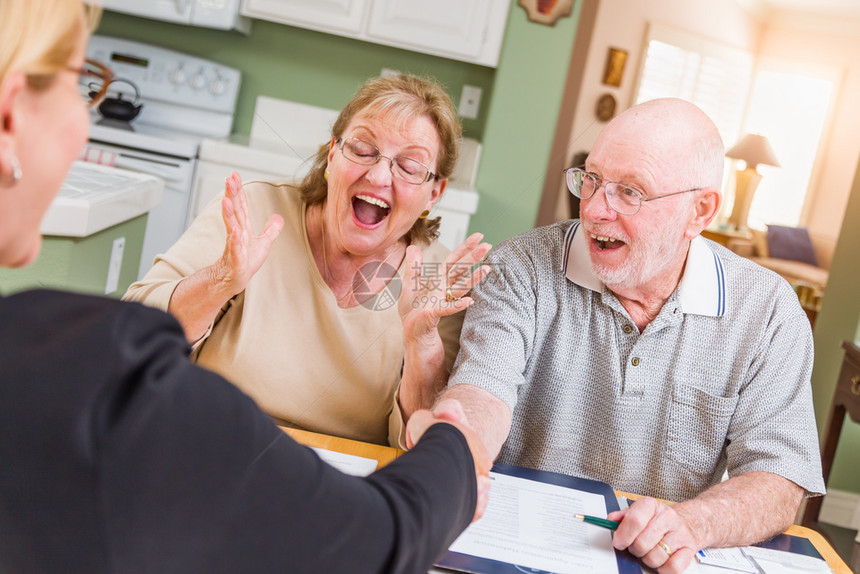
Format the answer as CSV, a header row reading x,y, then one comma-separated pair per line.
x,y
546,11
615,61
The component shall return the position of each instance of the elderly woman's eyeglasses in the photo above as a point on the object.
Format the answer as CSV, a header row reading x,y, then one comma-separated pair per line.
x,y
403,168
93,80
623,199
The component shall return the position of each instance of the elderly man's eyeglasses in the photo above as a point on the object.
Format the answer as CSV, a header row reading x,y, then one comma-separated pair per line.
x,y
93,80
621,198
403,168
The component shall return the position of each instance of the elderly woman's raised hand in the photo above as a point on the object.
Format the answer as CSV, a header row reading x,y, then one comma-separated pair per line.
x,y
244,251
430,294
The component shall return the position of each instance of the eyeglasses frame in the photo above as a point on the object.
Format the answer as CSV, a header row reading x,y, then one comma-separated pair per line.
x,y
103,73
430,175
602,183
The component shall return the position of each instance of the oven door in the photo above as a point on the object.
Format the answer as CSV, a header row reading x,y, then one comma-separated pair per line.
x,y
166,222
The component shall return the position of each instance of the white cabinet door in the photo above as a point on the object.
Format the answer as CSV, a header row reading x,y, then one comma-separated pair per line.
x,y
326,15
454,27
468,30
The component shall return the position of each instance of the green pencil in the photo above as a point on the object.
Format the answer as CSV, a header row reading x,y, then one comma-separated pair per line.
x,y
602,522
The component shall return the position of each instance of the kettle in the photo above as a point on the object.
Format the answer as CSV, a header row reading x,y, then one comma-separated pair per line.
x,y
116,108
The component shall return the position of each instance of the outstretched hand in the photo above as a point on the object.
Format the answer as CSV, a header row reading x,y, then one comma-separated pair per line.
x,y
656,533
451,411
244,252
428,295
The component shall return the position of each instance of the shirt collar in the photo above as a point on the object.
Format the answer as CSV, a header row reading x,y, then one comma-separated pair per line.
x,y
702,290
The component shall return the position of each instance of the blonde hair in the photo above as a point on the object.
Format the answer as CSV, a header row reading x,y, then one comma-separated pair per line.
x,y
40,36
404,96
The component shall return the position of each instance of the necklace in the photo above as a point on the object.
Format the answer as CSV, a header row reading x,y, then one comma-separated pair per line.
x,y
349,299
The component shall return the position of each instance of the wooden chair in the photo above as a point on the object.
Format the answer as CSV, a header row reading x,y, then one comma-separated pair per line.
x,y
846,398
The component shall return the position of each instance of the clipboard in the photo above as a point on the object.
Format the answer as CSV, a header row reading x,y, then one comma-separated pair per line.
x,y
458,562
793,544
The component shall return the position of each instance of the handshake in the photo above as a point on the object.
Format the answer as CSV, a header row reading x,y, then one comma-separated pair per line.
x,y
450,411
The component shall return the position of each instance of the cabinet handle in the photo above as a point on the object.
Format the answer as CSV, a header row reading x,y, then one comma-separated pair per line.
x,y
855,385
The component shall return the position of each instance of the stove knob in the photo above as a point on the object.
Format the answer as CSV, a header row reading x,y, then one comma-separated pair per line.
x,y
178,76
198,82
218,87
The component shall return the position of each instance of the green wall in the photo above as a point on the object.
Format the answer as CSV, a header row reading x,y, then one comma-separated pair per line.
x,y
81,263
521,123
839,320
301,65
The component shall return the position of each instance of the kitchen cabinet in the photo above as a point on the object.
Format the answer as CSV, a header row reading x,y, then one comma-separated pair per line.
x,y
467,30
345,17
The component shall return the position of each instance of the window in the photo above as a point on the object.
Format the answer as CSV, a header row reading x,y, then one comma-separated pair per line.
x,y
790,109
787,105
714,76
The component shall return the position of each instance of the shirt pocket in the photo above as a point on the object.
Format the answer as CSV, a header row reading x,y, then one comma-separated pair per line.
x,y
698,424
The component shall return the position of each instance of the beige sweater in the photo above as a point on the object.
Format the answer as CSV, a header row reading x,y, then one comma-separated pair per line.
x,y
284,341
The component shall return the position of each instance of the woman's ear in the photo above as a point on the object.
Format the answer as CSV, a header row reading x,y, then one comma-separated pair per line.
x,y
14,83
10,118
438,189
332,147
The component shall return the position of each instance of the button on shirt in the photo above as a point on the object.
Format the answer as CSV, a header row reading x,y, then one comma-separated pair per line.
x,y
718,380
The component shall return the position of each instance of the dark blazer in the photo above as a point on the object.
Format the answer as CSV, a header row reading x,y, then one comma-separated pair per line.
x,y
117,454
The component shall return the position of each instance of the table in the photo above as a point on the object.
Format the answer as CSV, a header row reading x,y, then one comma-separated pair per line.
x,y
385,454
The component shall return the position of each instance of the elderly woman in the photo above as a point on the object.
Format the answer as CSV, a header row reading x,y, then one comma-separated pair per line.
x,y
304,317
120,455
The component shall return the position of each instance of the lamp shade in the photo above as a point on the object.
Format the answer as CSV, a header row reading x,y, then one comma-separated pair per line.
x,y
754,149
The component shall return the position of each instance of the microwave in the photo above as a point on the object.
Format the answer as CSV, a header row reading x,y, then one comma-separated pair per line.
x,y
220,14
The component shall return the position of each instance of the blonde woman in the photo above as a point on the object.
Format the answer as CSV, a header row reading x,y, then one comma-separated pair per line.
x,y
118,454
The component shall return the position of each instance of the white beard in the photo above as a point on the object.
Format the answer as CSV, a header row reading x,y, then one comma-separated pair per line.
x,y
649,255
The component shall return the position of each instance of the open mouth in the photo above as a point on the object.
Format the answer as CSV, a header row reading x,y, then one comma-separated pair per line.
x,y
606,242
368,210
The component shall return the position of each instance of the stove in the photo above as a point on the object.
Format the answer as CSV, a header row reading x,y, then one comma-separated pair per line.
x,y
184,100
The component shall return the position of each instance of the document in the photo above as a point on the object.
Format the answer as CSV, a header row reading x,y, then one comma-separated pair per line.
x,y
756,560
347,463
529,525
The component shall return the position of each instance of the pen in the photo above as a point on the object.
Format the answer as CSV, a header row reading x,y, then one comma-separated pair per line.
x,y
610,524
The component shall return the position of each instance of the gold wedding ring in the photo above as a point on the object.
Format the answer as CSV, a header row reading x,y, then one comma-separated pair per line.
x,y
449,296
665,548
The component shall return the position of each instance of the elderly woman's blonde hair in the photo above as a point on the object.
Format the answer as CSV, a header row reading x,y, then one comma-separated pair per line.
x,y
401,97
38,37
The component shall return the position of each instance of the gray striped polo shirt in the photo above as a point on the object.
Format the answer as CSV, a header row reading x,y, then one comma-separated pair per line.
x,y
718,380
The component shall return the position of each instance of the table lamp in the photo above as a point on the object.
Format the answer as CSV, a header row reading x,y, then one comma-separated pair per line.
x,y
753,149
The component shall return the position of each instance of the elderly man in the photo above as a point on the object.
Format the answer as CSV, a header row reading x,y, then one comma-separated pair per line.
x,y
623,347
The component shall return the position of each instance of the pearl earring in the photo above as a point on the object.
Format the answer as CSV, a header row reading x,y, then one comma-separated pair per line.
x,y
17,173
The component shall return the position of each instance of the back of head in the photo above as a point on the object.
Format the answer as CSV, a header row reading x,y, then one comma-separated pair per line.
x,y
39,36
680,137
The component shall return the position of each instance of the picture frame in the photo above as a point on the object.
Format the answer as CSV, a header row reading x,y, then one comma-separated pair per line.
x,y
546,11
616,58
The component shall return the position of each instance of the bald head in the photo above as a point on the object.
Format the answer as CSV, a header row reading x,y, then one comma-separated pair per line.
x,y
668,136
